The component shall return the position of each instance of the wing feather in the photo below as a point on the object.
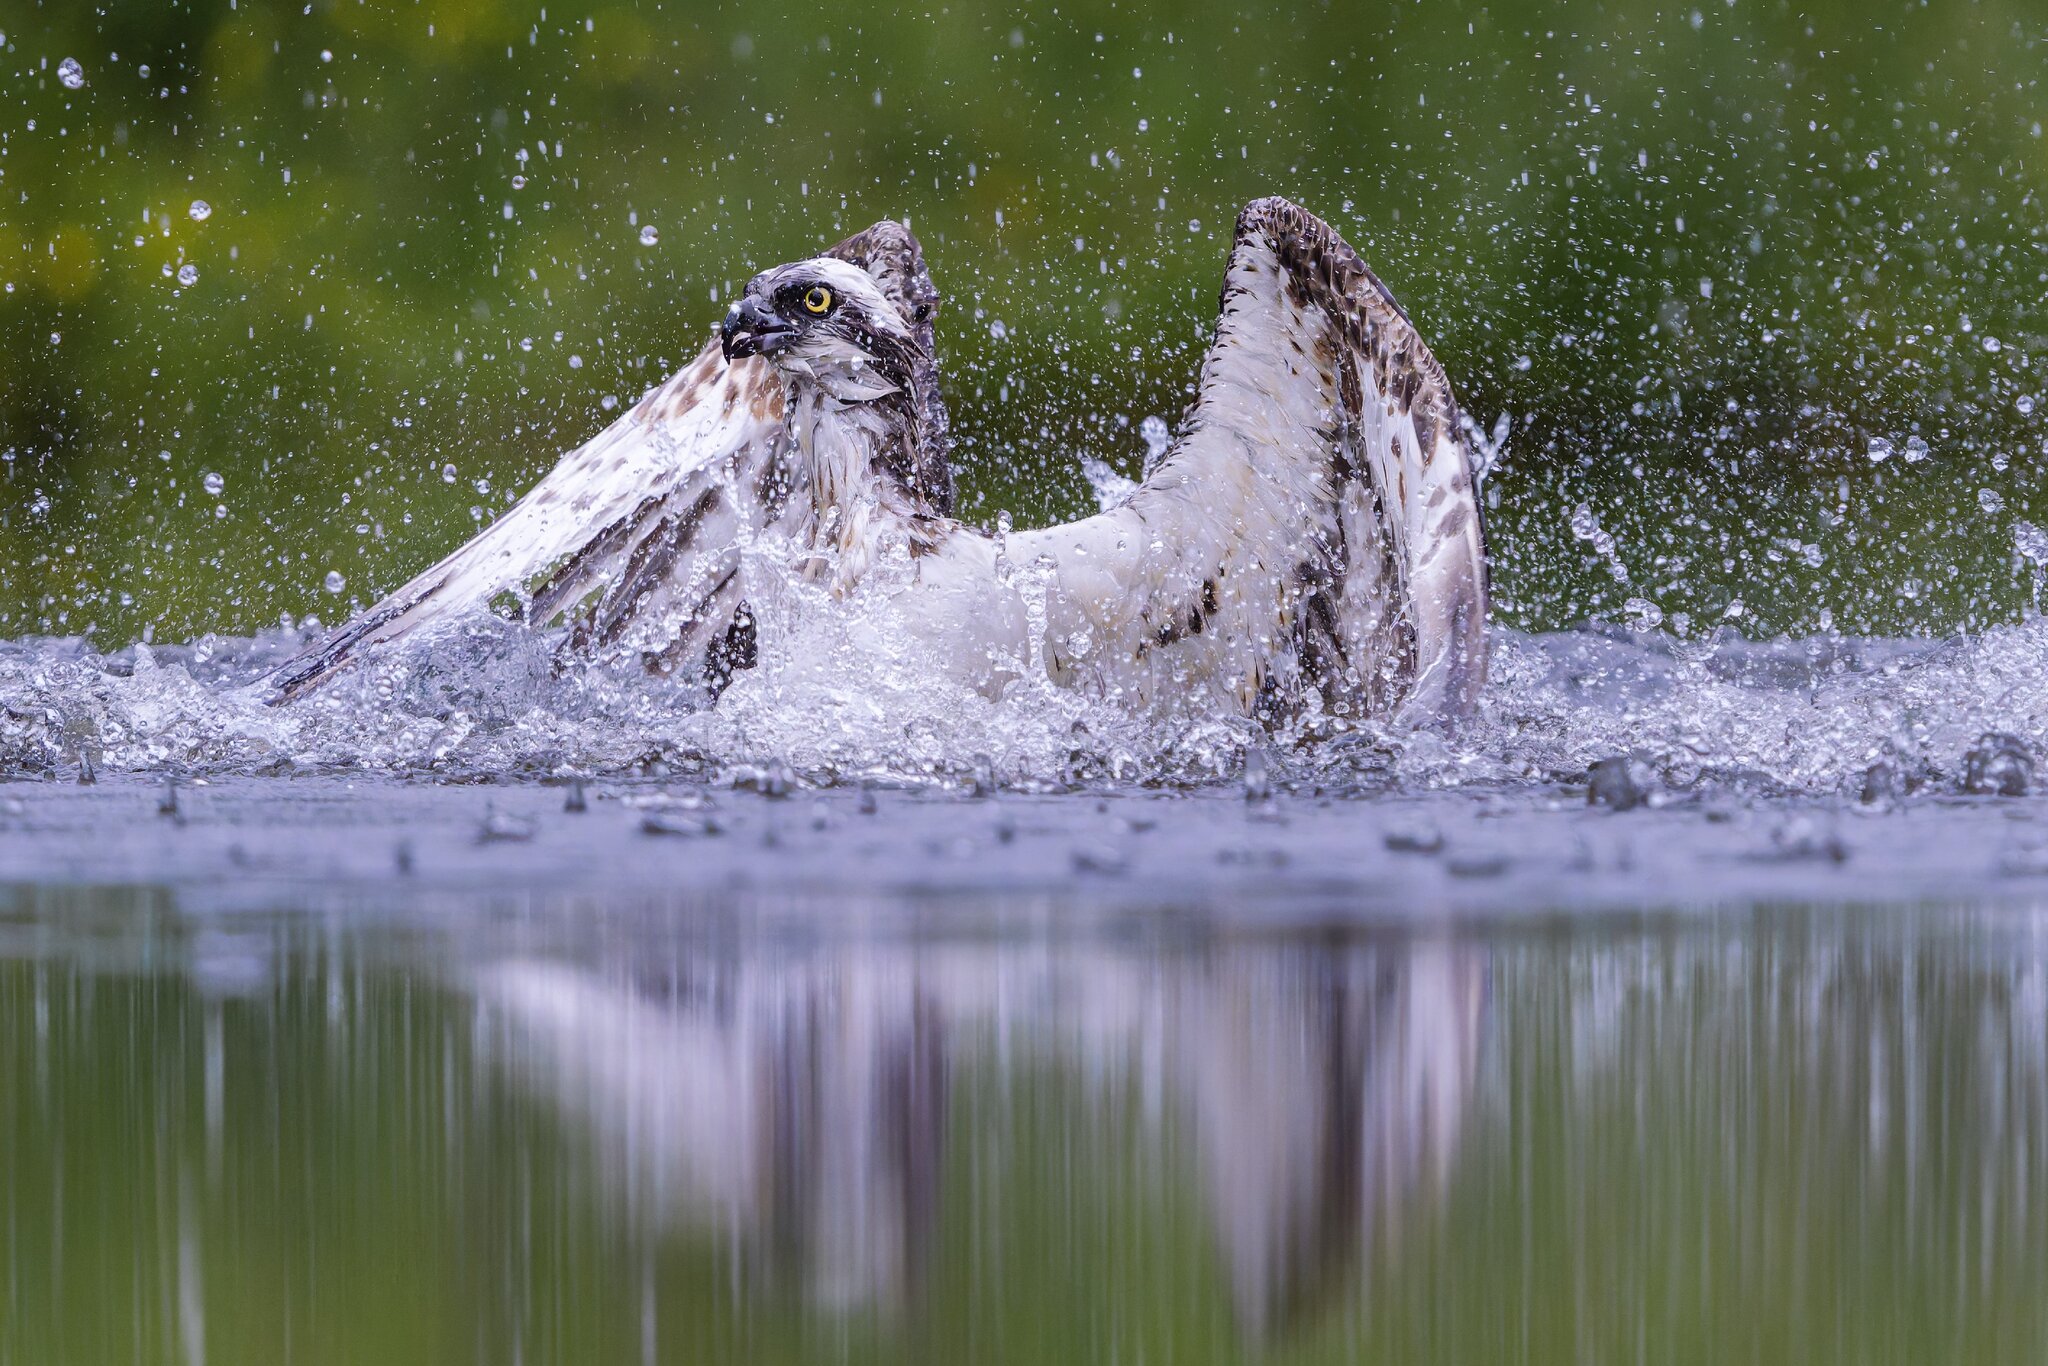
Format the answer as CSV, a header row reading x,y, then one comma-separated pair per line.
x,y
1314,527
634,536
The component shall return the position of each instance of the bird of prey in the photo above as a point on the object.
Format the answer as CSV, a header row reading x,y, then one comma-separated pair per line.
x,y
1312,536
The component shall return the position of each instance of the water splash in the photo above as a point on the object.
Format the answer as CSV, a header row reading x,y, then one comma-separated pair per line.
x,y
845,693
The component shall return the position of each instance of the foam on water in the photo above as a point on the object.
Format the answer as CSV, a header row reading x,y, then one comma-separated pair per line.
x,y
840,696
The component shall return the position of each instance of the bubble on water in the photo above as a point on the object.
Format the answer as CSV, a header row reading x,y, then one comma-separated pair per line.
x,y
648,236
334,582
1991,500
1916,450
519,182
200,211
214,483
1879,449
71,74
188,274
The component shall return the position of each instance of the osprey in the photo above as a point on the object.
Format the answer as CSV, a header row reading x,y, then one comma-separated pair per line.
x,y
1312,535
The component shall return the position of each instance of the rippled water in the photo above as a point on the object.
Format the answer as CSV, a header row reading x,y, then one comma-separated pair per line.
x,y
540,1127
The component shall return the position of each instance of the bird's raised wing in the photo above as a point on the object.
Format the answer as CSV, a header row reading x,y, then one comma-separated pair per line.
x,y
634,538
1314,527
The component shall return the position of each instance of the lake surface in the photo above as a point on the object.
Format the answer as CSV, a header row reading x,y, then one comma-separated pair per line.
x,y
358,1070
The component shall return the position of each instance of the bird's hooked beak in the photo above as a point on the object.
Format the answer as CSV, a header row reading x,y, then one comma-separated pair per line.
x,y
751,328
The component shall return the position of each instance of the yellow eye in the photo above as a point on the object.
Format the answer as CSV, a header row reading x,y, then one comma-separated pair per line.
x,y
818,299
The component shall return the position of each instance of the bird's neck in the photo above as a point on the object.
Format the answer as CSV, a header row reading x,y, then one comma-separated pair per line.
x,y
859,458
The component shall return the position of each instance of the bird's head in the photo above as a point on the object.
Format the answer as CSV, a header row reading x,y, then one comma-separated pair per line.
x,y
826,320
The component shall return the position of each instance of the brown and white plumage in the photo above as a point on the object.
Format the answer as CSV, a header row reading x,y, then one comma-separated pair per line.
x,y
1313,529
633,538
1311,538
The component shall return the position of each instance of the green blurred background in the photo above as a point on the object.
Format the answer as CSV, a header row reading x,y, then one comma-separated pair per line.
x,y
1700,256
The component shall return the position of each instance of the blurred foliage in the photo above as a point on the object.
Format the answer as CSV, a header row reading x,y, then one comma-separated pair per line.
x,y
1700,256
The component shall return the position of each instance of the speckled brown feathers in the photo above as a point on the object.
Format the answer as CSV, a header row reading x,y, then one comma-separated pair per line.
x,y
629,541
1311,540
1313,534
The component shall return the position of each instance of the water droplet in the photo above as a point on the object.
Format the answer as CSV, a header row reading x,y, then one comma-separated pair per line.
x,y
334,582
2025,403
1990,500
448,474
648,236
1993,344
200,211
519,182
1643,614
575,362
1916,450
214,483
1157,436
188,274
2031,542
1880,449
71,74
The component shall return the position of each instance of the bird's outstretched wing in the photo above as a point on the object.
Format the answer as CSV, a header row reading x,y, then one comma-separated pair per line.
x,y
634,538
1314,527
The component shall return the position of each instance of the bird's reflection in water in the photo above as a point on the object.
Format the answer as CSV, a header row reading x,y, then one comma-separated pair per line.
x,y
799,1104
1327,1096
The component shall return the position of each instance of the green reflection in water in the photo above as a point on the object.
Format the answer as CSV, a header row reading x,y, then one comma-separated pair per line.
x,y
1701,255
1786,1138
